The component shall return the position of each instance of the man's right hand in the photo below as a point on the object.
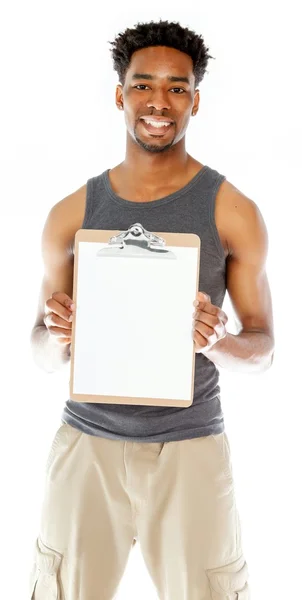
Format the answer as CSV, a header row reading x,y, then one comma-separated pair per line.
x,y
58,317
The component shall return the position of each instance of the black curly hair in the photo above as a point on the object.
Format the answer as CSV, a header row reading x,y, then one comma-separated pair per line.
x,y
162,33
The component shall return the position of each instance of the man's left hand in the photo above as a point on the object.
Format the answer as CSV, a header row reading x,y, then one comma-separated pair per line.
x,y
209,323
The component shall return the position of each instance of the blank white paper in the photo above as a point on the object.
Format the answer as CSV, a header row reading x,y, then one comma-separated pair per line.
x,y
133,333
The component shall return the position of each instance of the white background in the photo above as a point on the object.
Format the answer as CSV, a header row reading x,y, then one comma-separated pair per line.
x,y
60,126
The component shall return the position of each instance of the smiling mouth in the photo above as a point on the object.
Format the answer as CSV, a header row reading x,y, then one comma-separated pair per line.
x,y
156,126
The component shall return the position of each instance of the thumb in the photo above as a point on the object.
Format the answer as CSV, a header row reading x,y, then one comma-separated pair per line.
x,y
203,297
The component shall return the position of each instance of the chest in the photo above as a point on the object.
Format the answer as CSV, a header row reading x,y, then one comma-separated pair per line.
x,y
170,219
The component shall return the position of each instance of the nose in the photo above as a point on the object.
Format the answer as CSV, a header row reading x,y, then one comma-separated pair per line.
x,y
158,100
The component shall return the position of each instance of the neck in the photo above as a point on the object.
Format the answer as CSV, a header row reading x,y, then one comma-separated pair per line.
x,y
149,167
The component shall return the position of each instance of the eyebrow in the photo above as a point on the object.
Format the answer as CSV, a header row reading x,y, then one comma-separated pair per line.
x,y
170,78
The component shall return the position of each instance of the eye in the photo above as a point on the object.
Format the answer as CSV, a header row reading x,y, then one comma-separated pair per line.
x,y
142,87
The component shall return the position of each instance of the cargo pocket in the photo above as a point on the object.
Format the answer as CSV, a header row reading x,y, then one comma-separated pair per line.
x,y
223,447
230,582
45,582
55,445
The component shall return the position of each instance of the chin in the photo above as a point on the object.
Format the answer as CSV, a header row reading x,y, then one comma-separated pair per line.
x,y
153,148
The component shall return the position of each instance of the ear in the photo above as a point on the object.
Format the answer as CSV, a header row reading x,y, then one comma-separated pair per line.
x,y
119,97
195,106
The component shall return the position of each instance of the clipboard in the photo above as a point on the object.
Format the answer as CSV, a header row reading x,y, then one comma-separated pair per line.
x,y
132,330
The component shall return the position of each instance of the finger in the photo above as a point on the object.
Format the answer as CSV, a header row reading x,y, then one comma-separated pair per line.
x,y
212,316
53,320
208,307
213,326
204,330
224,318
201,298
52,306
200,340
211,320
63,341
63,299
59,332
208,319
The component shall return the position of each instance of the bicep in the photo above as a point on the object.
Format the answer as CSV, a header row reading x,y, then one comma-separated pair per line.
x,y
57,261
247,281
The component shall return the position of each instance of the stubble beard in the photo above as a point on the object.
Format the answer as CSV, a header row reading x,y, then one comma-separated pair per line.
x,y
153,147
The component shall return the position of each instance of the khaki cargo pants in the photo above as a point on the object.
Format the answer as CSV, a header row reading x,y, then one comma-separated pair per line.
x,y
175,498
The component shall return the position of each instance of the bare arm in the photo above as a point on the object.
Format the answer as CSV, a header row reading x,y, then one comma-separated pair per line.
x,y
252,348
57,238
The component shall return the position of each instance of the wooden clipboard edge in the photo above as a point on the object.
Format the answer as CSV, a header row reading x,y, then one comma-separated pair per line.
x,y
130,400
190,240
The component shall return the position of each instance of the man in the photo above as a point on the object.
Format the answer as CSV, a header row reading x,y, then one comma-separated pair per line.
x,y
163,476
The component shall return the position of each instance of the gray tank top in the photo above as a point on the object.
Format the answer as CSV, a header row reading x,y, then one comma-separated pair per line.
x,y
189,210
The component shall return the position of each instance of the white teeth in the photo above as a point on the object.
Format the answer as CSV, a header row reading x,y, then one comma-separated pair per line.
x,y
157,123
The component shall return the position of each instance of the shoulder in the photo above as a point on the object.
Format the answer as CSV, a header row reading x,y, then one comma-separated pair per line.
x,y
70,204
239,221
66,217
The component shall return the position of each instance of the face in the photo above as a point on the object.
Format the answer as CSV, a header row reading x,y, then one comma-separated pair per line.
x,y
158,97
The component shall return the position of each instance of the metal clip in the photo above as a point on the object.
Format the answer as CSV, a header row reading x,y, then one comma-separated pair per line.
x,y
136,242
138,231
